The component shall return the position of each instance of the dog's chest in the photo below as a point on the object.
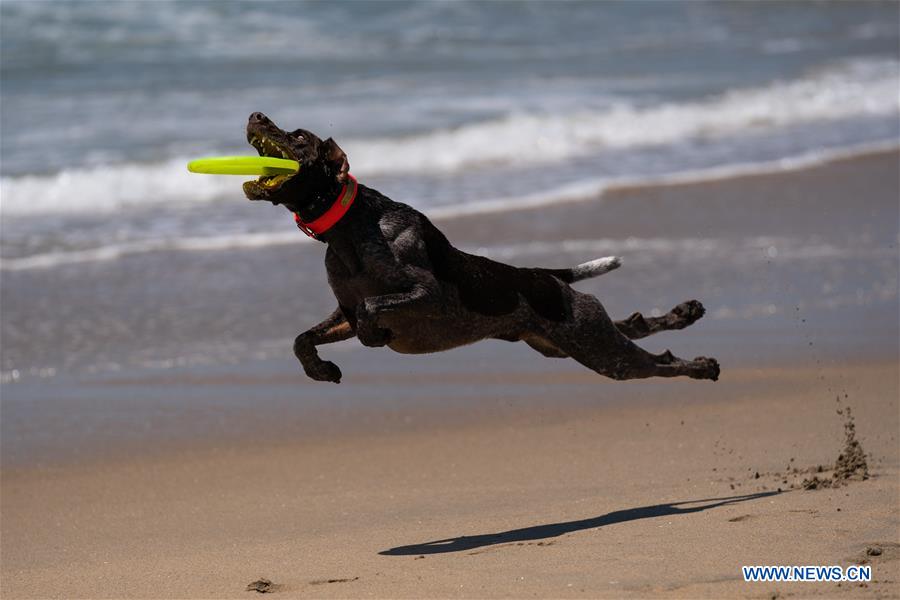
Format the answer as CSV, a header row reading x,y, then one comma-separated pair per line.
x,y
348,278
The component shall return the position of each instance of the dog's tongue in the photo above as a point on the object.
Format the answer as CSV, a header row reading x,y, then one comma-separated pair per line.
x,y
272,182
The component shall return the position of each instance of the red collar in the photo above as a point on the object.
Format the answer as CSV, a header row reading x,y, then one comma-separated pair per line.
x,y
334,214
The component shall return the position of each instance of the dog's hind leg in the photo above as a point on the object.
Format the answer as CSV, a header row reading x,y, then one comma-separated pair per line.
x,y
638,326
333,329
591,338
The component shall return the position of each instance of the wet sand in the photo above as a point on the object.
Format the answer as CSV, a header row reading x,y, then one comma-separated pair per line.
x,y
489,471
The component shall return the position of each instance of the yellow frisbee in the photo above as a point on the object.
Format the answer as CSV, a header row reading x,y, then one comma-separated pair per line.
x,y
244,165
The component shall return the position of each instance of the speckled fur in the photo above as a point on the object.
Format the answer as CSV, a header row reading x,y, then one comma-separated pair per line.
x,y
400,283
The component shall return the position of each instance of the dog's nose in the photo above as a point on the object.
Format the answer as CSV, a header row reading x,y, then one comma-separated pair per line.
x,y
258,117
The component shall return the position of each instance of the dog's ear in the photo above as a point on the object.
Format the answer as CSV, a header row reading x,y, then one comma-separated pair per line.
x,y
337,158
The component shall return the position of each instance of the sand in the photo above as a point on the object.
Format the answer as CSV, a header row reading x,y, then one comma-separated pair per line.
x,y
645,500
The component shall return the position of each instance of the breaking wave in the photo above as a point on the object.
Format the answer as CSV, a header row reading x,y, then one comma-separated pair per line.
x,y
856,89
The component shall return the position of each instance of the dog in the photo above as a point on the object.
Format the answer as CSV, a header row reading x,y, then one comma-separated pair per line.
x,y
400,283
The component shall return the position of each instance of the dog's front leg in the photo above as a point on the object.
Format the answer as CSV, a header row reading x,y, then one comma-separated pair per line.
x,y
333,329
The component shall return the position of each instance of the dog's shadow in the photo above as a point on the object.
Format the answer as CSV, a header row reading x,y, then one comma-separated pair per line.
x,y
549,530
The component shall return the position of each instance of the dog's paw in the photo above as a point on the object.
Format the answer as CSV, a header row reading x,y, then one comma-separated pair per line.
x,y
686,313
323,370
690,310
703,367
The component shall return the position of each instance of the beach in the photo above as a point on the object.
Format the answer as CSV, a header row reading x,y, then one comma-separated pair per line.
x,y
667,496
490,471
158,438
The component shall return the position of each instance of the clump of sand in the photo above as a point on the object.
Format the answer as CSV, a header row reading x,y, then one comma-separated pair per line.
x,y
851,463
263,586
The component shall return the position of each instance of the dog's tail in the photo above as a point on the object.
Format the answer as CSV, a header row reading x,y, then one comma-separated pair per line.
x,y
591,268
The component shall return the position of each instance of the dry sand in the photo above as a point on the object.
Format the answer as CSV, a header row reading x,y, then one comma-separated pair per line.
x,y
645,500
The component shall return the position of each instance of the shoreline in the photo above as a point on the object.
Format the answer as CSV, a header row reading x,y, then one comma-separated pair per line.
x,y
720,174
717,193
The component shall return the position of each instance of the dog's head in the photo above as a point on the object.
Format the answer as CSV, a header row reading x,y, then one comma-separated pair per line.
x,y
323,166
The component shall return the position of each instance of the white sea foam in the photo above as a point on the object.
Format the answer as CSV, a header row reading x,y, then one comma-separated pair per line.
x,y
854,89
107,188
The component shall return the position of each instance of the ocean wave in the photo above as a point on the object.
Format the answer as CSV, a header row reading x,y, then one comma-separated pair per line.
x,y
108,188
851,89
854,89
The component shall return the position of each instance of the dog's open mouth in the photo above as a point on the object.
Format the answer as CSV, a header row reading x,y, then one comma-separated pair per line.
x,y
267,184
